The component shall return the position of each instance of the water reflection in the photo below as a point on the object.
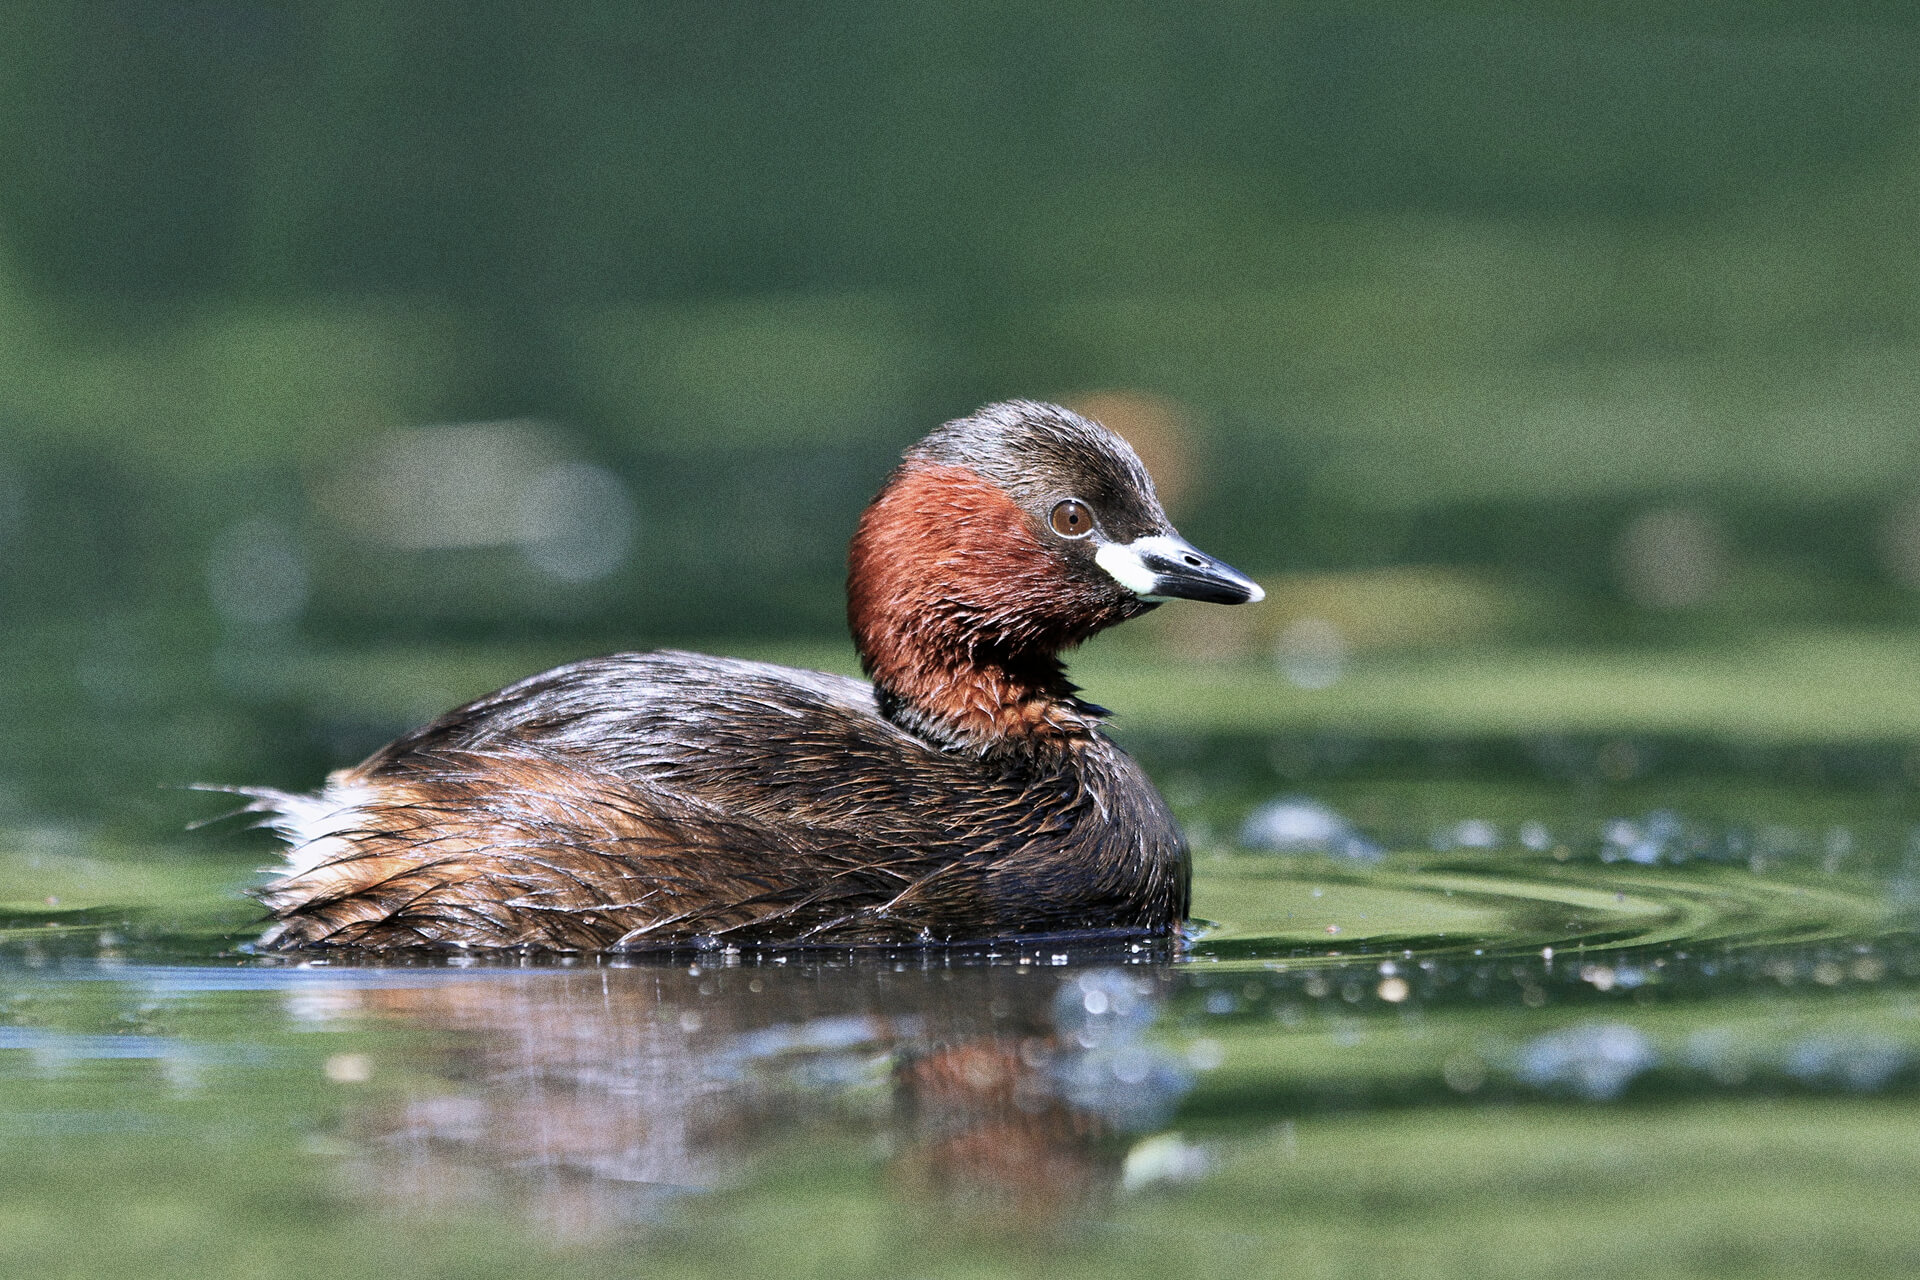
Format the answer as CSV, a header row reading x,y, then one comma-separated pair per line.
x,y
597,1094
997,1095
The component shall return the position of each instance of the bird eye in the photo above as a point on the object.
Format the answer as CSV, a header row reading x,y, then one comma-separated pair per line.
x,y
1071,519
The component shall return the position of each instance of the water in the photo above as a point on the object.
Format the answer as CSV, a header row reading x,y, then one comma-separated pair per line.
x,y
1470,1009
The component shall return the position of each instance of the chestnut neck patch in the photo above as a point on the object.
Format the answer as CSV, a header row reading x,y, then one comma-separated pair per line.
x,y
960,612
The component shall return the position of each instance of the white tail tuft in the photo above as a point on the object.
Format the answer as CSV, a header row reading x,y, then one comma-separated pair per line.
x,y
312,825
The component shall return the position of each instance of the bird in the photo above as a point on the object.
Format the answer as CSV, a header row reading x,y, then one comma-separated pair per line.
x,y
669,800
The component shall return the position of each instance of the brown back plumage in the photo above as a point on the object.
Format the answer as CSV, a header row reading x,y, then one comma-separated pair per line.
x,y
664,799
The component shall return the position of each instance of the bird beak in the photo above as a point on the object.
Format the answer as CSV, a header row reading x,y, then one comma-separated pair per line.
x,y
1168,567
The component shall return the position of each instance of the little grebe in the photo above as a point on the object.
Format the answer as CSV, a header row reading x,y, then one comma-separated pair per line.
x,y
670,799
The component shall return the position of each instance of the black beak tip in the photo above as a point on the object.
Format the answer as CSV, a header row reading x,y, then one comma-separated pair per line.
x,y
1209,581
1216,592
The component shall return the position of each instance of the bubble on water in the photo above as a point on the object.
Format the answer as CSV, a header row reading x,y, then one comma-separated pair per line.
x,y
1535,836
1296,824
1596,1061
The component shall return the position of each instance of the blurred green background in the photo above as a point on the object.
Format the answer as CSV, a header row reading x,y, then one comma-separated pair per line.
x,y
485,334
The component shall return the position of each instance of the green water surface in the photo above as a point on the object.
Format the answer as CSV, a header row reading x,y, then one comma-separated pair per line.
x,y
1600,1000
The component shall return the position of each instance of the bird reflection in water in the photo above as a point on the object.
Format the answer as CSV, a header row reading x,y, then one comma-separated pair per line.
x,y
594,1096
